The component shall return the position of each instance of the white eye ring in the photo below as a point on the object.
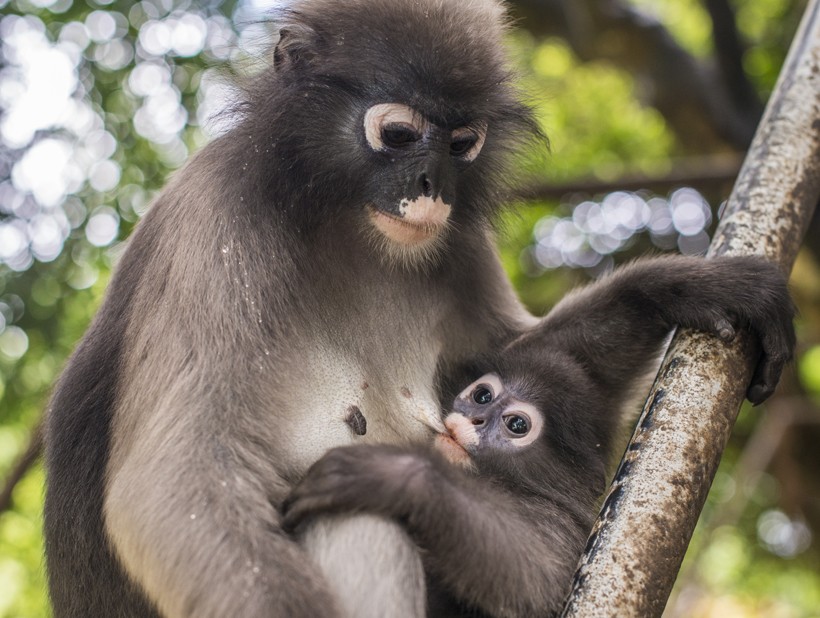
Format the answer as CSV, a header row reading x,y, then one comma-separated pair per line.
x,y
479,131
516,414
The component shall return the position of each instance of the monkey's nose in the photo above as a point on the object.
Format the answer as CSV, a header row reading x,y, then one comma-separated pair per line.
x,y
478,421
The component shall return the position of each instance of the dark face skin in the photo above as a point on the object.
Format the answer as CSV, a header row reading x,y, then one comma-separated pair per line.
x,y
424,156
417,163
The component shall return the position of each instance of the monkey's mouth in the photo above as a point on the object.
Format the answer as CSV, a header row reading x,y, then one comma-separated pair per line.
x,y
452,450
402,230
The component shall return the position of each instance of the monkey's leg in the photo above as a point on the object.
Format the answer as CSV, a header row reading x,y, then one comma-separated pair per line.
x,y
373,568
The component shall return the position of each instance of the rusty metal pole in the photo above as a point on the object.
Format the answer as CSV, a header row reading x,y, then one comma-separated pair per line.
x,y
637,545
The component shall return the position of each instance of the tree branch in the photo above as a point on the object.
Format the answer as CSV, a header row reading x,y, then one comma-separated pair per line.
x,y
707,113
729,51
707,174
639,540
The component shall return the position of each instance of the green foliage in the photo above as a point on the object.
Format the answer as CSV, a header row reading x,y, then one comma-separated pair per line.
x,y
595,123
22,574
810,370
769,24
687,20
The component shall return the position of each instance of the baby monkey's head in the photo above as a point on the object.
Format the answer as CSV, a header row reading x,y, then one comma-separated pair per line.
x,y
533,420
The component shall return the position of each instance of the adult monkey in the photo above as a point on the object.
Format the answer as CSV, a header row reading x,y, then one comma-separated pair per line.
x,y
331,252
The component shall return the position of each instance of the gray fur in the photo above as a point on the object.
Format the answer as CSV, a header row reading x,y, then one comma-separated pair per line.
x,y
369,581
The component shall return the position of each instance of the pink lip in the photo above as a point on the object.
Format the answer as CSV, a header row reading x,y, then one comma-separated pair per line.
x,y
452,450
402,230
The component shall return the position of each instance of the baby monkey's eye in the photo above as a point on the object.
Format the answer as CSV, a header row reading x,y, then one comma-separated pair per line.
x,y
482,394
517,424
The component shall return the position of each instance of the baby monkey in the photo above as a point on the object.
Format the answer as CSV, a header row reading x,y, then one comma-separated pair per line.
x,y
490,417
531,428
506,465
502,529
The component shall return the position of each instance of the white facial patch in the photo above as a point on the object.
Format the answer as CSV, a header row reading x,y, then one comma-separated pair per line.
x,y
421,219
384,114
425,210
462,429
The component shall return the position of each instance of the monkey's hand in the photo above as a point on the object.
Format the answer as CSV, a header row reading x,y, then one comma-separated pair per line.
x,y
378,479
743,292
616,324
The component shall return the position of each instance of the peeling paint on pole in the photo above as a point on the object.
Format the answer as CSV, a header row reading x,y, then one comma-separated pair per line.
x,y
636,547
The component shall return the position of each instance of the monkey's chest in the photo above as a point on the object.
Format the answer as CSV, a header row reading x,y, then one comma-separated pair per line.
x,y
361,394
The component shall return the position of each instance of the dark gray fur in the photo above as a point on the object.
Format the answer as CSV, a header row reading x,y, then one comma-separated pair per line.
x,y
504,538
253,303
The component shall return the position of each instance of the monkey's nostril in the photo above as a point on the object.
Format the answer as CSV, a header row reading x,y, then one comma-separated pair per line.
x,y
478,421
426,186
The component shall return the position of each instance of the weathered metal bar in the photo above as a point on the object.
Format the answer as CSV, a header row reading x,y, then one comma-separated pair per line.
x,y
637,545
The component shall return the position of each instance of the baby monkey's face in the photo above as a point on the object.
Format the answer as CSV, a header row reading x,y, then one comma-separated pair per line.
x,y
488,416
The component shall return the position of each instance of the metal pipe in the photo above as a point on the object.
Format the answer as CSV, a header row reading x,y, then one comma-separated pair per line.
x,y
636,547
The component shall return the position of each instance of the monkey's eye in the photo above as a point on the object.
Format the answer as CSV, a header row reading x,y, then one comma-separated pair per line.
x,y
462,144
482,394
517,424
397,135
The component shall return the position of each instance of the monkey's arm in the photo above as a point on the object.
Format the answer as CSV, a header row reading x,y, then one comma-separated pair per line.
x,y
191,518
615,326
499,552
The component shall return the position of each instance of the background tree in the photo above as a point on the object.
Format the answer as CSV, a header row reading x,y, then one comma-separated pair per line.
x,y
649,106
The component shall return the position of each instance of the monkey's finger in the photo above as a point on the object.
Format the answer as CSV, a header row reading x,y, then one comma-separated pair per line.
x,y
724,329
765,378
777,345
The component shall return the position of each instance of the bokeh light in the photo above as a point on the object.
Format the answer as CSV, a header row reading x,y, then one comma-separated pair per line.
x,y
595,230
13,343
58,147
782,535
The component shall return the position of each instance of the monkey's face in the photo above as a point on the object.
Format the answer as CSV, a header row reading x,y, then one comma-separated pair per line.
x,y
488,418
417,165
396,119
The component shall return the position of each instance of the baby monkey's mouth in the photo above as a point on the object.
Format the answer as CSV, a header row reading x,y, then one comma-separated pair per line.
x,y
452,450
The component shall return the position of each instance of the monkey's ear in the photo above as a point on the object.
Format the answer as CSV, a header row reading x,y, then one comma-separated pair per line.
x,y
296,47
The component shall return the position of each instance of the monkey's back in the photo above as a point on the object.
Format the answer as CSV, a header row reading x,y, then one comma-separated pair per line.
x,y
85,578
